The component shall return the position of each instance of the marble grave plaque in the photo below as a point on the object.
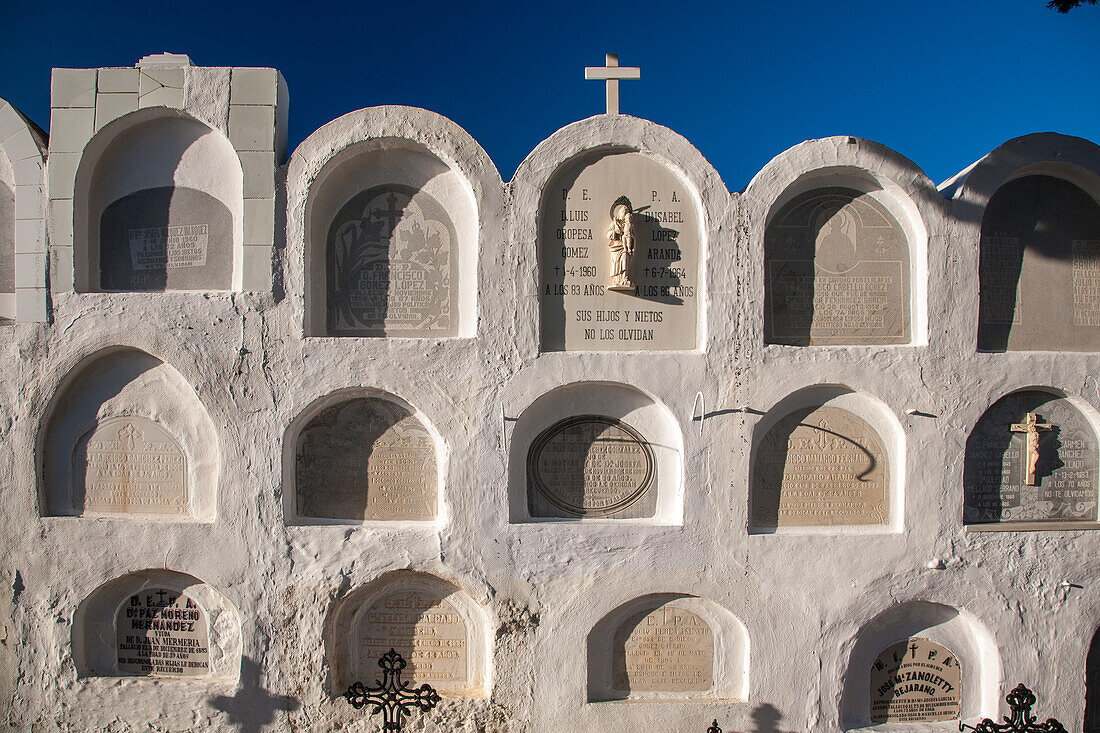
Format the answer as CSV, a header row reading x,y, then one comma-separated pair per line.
x,y
162,633
995,471
169,238
837,265
915,681
425,629
591,466
392,266
820,466
578,310
130,465
367,459
1039,268
668,649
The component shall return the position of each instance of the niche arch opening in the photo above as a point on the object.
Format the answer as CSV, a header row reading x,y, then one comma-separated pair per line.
x,y
125,436
391,242
360,455
596,452
158,205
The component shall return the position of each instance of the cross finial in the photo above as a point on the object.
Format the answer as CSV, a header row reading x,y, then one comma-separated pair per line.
x,y
611,73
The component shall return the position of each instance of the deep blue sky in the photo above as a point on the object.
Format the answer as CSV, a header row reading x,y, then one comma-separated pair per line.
x,y
941,81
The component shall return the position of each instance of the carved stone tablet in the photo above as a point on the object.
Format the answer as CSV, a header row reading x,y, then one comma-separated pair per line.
x,y
162,633
820,466
366,458
591,466
915,681
668,649
997,459
166,239
837,265
425,629
1040,268
130,465
392,266
579,312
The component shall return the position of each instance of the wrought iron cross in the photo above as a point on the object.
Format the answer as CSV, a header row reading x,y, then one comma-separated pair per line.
x,y
1019,701
391,696
611,73
714,727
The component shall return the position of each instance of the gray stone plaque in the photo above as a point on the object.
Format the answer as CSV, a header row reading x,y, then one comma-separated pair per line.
x,y
578,310
392,265
130,465
915,681
7,239
1040,268
591,466
366,458
995,473
668,649
837,265
162,633
820,466
166,239
425,629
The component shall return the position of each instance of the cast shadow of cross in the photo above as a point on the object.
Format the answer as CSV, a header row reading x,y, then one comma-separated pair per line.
x,y
252,707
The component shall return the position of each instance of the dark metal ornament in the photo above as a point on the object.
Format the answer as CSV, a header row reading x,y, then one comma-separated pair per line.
x,y
391,696
714,727
1019,701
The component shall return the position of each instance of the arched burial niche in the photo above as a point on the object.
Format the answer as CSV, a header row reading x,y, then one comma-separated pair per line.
x,y
391,244
668,647
126,436
827,459
1039,263
363,456
158,205
439,630
920,662
1031,457
157,623
593,209
596,451
838,259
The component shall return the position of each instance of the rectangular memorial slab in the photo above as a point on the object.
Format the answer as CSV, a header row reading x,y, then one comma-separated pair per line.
x,y
583,243
669,649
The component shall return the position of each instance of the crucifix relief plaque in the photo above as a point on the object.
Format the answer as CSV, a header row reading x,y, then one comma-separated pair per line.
x,y
619,257
1031,457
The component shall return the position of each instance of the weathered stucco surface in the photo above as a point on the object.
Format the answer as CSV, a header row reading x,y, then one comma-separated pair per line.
x,y
1016,606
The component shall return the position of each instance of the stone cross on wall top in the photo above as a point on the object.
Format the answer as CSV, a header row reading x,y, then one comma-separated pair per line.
x,y
611,73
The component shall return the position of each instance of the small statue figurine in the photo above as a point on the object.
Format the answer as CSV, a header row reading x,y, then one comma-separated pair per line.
x,y
620,239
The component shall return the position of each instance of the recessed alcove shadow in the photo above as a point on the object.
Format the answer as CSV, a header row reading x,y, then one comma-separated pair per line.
x,y
668,647
362,455
1039,263
844,262
159,624
936,627
125,436
1002,447
390,245
596,452
827,459
158,205
437,627
1092,686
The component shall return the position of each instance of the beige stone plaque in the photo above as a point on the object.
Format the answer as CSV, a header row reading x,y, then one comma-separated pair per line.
x,y
669,649
130,465
820,466
425,629
591,466
366,458
837,266
578,311
392,266
915,681
1039,268
162,633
